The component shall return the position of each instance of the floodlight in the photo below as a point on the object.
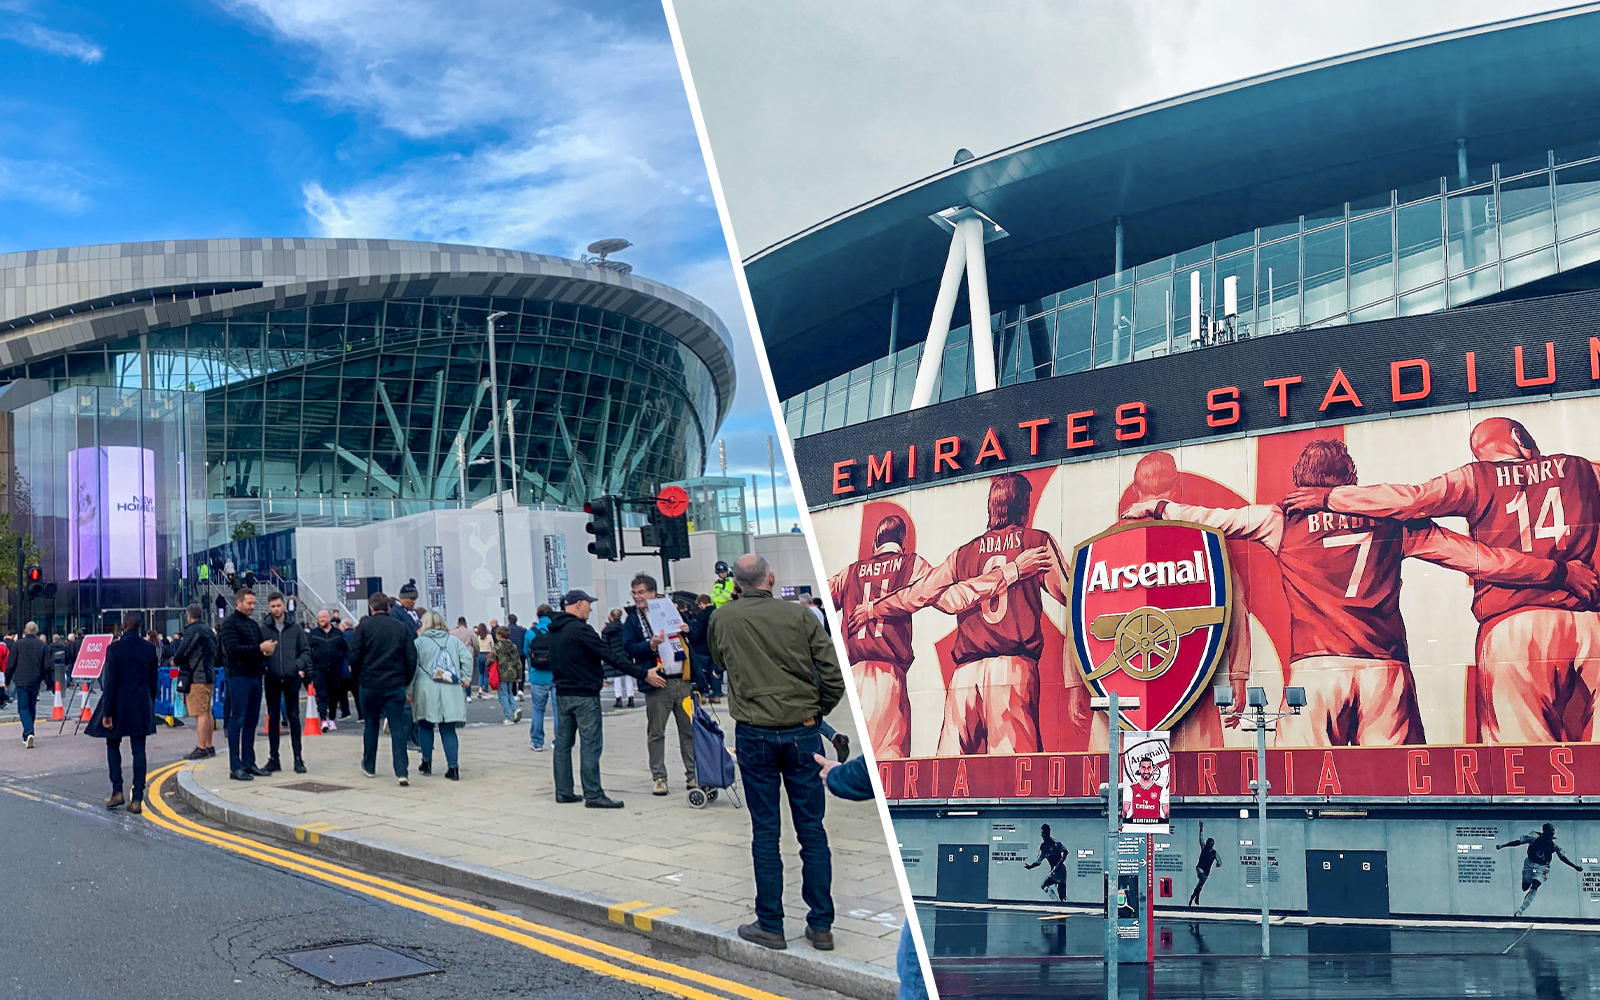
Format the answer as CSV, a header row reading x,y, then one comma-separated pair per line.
x,y
1294,697
1257,697
1222,696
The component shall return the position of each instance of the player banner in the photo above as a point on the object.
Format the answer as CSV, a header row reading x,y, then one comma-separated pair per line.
x,y
1146,779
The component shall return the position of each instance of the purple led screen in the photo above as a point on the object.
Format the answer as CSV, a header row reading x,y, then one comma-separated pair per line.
x,y
113,514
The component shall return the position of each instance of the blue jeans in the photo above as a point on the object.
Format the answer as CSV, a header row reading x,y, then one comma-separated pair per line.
x,y
578,718
376,706
912,985
27,706
483,672
508,698
539,698
447,736
243,715
768,759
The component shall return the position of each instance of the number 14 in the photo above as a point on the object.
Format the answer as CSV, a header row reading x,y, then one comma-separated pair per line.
x,y
1552,521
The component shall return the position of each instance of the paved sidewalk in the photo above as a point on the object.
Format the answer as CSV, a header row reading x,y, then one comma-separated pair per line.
x,y
658,856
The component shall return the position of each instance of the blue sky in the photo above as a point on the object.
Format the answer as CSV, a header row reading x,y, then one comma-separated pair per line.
x,y
525,124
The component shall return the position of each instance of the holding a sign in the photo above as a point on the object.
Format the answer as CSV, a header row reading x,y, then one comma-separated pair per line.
x,y
1146,781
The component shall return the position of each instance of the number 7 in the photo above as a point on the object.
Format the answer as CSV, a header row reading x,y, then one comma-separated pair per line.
x,y
1364,540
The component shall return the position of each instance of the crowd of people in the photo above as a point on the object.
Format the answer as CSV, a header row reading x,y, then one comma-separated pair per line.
x,y
405,670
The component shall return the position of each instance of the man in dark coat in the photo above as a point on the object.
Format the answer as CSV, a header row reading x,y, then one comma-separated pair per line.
x,y
383,659
576,655
244,653
404,610
328,666
195,653
288,668
127,707
27,668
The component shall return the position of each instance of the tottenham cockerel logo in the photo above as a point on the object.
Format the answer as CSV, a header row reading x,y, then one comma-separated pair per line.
x,y
1150,605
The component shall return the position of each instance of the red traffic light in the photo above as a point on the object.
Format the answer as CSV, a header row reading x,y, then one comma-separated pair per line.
x,y
35,574
673,501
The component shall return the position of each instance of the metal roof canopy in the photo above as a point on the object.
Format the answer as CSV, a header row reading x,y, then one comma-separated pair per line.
x,y
1180,173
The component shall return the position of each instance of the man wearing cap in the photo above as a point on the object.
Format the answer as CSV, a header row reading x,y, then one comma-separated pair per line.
x,y
722,590
577,655
404,609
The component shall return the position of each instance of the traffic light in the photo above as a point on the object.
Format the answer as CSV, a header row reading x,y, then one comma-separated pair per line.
x,y
603,526
669,534
35,581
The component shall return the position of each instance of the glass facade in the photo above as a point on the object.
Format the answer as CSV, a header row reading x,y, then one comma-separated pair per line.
x,y
360,411
104,487
1423,248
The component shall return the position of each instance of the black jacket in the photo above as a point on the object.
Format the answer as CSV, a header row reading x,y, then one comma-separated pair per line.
x,y
699,652
128,686
293,655
383,653
28,665
576,656
327,651
240,639
195,653
611,635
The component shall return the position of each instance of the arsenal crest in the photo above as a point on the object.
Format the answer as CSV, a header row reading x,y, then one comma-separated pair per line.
x,y
1150,606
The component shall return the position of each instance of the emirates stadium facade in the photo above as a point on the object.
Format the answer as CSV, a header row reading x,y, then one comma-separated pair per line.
x,y
1340,324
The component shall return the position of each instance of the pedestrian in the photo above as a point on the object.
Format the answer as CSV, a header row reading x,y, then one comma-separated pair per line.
x,y
576,655
722,590
816,609
244,653
536,660
706,672
853,782
27,667
508,671
195,653
404,609
622,684
127,708
648,648
347,683
518,634
288,668
383,659
328,666
463,633
485,648
228,572
783,678
222,606
439,692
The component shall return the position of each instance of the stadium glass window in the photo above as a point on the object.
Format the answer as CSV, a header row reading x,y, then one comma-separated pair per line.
x,y
1243,267
1324,274
1530,267
1278,301
1371,259
1421,245
1470,234
1580,251
1527,220
1577,201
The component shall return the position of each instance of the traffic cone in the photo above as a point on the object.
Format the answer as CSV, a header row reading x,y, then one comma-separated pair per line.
x,y
313,720
88,710
59,713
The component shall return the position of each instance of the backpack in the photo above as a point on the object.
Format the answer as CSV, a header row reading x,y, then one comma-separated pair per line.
x,y
538,657
444,665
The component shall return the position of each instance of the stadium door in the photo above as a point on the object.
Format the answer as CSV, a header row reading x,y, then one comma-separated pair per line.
x,y
1347,883
963,873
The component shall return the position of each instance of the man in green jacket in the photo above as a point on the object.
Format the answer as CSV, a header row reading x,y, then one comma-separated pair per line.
x,y
783,677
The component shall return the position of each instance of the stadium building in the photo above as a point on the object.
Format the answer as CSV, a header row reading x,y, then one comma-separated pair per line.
x,y
177,404
1229,313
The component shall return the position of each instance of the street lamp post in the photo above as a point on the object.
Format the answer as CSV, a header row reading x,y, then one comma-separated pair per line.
x,y
499,487
1113,707
511,442
1295,698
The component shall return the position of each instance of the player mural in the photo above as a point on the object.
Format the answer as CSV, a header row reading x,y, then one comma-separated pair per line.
x,y
1146,780
1053,853
1319,558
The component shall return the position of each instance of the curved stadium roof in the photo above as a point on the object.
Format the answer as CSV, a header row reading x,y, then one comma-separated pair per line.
x,y
1179,173
53,300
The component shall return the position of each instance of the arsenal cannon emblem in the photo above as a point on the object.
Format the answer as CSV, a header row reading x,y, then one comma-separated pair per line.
x,y
1150,615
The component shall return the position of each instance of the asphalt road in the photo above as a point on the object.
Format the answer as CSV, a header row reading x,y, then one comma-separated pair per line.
x,y
1016,954
102,904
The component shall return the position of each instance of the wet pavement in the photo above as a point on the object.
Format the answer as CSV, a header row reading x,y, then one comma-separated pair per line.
x,y
1016,954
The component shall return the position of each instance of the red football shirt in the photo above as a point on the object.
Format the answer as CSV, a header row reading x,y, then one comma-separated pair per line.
x,y
887,639
1008,623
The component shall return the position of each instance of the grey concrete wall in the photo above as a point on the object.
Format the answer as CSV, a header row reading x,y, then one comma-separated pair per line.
x,y
1436,866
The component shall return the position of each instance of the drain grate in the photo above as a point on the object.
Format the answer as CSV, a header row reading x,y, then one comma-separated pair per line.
x,y
315,786
354,964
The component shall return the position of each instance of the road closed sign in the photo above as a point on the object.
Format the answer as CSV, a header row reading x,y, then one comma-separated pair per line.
x,y
91,658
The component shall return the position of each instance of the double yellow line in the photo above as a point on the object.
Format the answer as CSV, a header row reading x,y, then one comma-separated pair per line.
x,y
596,957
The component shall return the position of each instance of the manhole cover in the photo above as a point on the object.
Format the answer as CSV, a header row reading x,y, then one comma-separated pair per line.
x,y
315,786
353,964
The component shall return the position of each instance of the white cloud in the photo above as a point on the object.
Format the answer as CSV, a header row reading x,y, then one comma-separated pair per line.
x,y
48,185
18,24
